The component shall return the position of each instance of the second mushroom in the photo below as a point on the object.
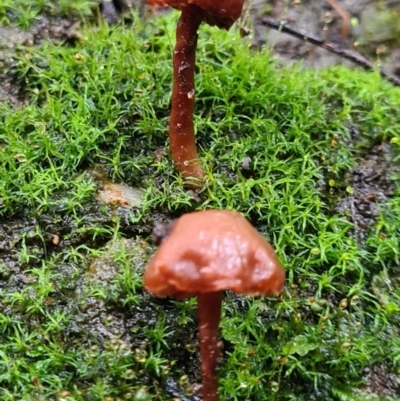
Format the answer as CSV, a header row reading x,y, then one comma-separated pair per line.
x,y
222,13
203,254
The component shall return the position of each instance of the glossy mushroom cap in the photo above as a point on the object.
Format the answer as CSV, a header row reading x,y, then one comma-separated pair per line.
x,y
211,251
222,13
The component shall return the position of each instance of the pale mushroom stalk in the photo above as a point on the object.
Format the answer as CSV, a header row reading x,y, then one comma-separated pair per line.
x,y
181,126
209,315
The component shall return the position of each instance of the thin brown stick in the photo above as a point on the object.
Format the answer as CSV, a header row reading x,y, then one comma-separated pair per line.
x,y
181,126
346,54
209,313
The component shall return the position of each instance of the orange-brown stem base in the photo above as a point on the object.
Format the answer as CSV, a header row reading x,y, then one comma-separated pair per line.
x,y
209,313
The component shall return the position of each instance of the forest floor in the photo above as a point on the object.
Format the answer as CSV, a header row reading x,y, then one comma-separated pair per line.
x,y
84,110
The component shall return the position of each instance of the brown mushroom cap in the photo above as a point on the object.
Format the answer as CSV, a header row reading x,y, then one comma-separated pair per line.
x,y
222,13
210,251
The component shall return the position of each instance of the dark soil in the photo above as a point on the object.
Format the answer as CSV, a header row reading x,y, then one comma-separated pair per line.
x,y
374,33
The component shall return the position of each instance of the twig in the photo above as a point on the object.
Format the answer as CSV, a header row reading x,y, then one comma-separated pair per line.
x,y
346,54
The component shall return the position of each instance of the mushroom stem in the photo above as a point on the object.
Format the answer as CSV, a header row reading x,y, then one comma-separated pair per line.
x,y
181,126
209,314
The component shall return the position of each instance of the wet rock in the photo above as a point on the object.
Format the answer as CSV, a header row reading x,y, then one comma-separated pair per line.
x,y
11,37
372,186
381,381
109,12
120,195
104,268
173,389
373,24
112,193
113,10
101,290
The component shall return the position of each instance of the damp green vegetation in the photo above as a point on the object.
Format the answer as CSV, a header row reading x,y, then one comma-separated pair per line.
x,y
383,30
24,13
75,322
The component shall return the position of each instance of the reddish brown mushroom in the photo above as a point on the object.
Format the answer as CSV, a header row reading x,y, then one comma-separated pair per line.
x,y
205,253
222,13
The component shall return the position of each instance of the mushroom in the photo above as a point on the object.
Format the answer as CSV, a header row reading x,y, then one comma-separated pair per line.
x,y
203,254
222,13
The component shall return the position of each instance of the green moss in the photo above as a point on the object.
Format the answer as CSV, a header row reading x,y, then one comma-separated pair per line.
x,y
105,101
24,13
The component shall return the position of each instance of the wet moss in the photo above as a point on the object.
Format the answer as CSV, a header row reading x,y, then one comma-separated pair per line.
x,y
76,323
